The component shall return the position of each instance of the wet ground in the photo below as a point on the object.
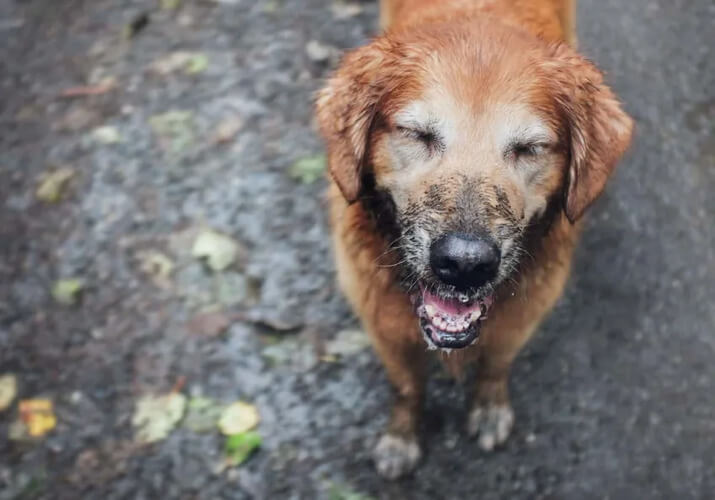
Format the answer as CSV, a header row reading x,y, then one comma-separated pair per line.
x,y
614,398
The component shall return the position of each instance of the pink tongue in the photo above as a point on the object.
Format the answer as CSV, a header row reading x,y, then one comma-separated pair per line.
x,y
451,307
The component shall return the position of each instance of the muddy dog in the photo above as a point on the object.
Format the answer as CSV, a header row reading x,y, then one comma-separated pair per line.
x,y
464,145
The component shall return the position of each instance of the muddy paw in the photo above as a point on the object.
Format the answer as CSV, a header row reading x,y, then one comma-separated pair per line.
x,y
395,456
492,423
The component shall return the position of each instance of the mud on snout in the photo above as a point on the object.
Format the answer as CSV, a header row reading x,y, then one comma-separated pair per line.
x,y
460,239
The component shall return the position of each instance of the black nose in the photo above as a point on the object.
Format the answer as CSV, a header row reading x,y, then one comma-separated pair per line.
x,y
464,261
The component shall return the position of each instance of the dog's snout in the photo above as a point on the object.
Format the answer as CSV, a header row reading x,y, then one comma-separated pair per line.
x,y
464,261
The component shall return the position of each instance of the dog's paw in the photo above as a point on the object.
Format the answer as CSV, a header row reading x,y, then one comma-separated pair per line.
x,y
492,423
395,456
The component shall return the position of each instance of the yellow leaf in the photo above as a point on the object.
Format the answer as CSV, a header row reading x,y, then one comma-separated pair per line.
x,y
238,417
156,416
8,390
52,185
38,416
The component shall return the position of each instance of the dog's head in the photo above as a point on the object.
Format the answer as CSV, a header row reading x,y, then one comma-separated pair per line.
x,y
461,138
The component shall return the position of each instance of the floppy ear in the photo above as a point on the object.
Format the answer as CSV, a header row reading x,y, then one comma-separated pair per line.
x,y
599,129
346,108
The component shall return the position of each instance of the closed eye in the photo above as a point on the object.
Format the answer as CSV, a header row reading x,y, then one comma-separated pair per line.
x,y
520,150
425,136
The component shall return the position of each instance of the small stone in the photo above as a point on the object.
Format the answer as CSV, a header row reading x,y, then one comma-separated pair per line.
x,y
106,135
317,51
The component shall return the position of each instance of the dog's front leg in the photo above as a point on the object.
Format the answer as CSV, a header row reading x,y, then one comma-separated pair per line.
x,y
491,417
398,450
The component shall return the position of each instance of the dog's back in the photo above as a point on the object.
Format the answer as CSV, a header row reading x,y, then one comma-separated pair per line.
x,y
397,12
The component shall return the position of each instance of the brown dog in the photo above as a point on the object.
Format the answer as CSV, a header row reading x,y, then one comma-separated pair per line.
x,y
464,145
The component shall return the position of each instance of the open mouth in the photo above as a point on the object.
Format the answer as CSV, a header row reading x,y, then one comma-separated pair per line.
x,y
451,322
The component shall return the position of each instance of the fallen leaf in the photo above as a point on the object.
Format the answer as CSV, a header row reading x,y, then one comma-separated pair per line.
x,y
343,10
227,129
238,417
169,4
347,343
8,390
157,266
240,446
38,416
202,414
187,61
106,135
76,119
89,90
309,169
343,492
196,64
52,185
174,129
156,416
67,291
209,324
219,250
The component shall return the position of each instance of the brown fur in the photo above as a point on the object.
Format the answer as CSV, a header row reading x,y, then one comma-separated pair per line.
x,y
355,112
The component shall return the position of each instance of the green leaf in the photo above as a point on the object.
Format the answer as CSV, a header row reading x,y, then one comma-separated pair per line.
x,y
67,291
309,169
197,63
342,492
240,446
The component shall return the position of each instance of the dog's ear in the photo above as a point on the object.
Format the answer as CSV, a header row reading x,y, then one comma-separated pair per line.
x,y
599,130
346,109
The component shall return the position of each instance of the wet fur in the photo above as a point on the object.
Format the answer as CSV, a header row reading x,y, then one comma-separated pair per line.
x,y
378,242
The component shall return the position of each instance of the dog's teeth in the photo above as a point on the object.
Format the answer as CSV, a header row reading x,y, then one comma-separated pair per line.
x,y
430,310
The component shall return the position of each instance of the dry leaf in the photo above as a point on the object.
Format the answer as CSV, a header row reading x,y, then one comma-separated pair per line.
x,y
38,416
219,250
53,184
227,129
157,266
238,417
89,90
210,324
156,416
8,390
